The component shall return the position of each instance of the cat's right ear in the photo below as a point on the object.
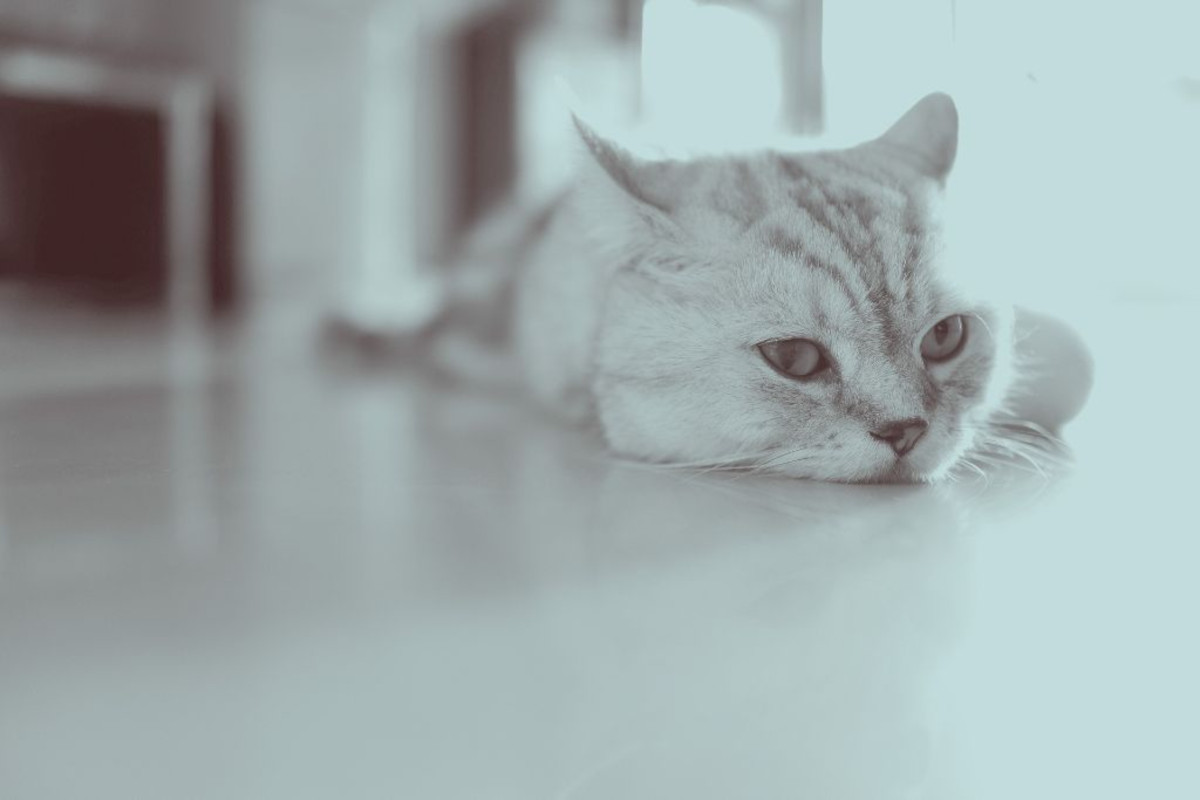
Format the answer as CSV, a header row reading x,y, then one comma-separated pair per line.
x,y
646,188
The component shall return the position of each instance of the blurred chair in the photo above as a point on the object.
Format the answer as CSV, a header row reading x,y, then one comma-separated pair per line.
x,y
439,132
118,147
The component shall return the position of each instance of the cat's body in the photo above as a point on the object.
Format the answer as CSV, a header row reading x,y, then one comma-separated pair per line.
x,y
785,311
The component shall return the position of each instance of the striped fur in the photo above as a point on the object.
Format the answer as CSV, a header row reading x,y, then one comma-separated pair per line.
x,y
641,306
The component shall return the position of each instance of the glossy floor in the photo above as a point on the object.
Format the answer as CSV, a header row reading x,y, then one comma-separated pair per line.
x,y
281,575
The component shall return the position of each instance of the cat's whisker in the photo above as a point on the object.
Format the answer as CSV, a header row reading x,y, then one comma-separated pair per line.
x,y
771,462
731,463
797,457
1025,458
975,468
1021,445
985,325
1030,433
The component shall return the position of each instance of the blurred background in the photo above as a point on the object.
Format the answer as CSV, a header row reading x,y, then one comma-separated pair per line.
x,y
236,563
344,147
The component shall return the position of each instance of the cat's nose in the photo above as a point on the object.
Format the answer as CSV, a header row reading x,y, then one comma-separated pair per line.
x,y
902,435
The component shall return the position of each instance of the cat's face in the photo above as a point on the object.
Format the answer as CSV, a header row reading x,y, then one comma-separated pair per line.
x,y
788,312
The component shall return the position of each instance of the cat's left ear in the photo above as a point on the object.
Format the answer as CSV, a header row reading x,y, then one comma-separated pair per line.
x,y
926,136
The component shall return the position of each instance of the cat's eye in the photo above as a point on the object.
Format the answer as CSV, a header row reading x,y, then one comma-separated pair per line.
x,y
945,340
795,358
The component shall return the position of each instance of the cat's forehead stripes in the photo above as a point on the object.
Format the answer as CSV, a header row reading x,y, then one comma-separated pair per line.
x,y
864,234
733,188
749,192
786,244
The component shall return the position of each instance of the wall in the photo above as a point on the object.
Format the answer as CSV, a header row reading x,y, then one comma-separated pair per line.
x,y
196,33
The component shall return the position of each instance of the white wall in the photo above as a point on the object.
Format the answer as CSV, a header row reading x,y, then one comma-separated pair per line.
x,y
1077,156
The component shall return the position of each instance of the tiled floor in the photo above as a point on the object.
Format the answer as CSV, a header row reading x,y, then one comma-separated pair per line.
x,y
287,575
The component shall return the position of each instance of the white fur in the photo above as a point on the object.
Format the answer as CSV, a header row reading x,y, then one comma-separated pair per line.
x,y
645,318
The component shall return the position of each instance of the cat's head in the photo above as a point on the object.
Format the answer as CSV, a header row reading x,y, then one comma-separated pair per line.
x,y
789,311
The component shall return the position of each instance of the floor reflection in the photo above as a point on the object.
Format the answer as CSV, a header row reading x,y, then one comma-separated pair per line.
x,y
279,576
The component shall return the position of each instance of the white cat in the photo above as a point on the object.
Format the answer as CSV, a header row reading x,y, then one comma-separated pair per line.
x,y
772,310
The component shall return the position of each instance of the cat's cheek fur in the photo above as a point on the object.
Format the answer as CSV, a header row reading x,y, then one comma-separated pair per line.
x,y
972,389
997,325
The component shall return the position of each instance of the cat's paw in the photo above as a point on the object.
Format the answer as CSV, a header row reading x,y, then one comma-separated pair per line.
x,y
1059,369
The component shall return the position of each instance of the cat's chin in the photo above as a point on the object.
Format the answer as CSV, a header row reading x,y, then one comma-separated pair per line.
x,y
921,467
925,468
896,473
902,472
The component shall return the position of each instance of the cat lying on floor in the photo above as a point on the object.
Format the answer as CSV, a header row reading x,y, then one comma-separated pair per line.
x,y
776,311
